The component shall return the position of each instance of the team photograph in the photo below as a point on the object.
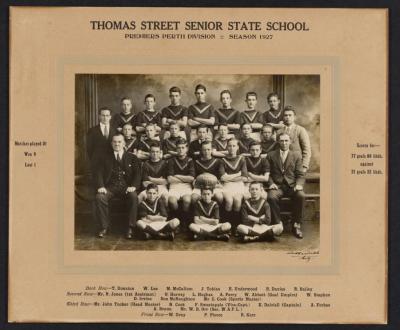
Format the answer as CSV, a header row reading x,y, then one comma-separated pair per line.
x,y
197,162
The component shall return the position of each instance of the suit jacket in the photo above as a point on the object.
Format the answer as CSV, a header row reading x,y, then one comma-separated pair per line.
x,y
96,144
290,172
300,141
130,165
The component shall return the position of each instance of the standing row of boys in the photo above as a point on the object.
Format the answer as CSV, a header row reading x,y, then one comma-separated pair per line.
x,y
191,161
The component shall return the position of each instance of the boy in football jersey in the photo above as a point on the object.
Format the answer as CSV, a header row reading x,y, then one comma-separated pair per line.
x,y
153,218
206,223
143,148
155,170
245,140
208,164
195,146
126,116
148,116
131,142
175,112
256,218
180,177
234,175
201,112
169,144
257,169
274,116
221,141
252,116
227,115
268,142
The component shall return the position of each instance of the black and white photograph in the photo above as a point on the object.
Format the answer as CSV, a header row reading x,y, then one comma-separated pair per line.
x,y
197,162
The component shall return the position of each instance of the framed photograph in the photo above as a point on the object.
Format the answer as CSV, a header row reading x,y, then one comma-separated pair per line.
x,y
198,165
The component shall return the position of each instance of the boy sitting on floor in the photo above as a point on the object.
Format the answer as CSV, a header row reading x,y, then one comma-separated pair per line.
x,y
256,218
153,216
206,219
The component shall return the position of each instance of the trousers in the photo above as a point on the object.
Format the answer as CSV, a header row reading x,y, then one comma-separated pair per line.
x,y
297,203
102,206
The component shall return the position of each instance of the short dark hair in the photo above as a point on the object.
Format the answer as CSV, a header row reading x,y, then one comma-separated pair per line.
x,y
149,95
272,95
130,124
222,124
104,109
225,91
205,142
254,143
233,139
201,126
268,125
207,188
151,186
174,123
251,94
175,89
126,98
241,126
117,134
154,144
289,108
200,86
181,141
254,183
284,133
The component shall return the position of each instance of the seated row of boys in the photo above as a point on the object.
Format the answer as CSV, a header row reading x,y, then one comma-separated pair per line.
x,y
241,184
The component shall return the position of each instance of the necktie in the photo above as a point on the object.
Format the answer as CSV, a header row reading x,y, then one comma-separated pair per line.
x,y
106,131
118,158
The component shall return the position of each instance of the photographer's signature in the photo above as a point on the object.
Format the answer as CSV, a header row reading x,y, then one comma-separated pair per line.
x,y
304,255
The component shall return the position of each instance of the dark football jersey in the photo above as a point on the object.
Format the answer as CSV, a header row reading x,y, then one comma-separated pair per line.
x,y
177,166
257,166
120,119
273,116
206,210
156,208
131,145
154,169
256,208
148,117
244,144
175,112
251,117
234,165
212,166
201,110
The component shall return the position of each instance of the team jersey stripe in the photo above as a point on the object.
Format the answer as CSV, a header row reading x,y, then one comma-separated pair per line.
x,y
210,210
262,201
235,166
154,209
251,119
150,118
226,117
206,167
175,115
201,110
127,119
275,116
221,143
256,164
180,166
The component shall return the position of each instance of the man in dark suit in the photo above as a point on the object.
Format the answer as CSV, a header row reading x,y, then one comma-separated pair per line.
x,y
98,139
286,179
118,175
